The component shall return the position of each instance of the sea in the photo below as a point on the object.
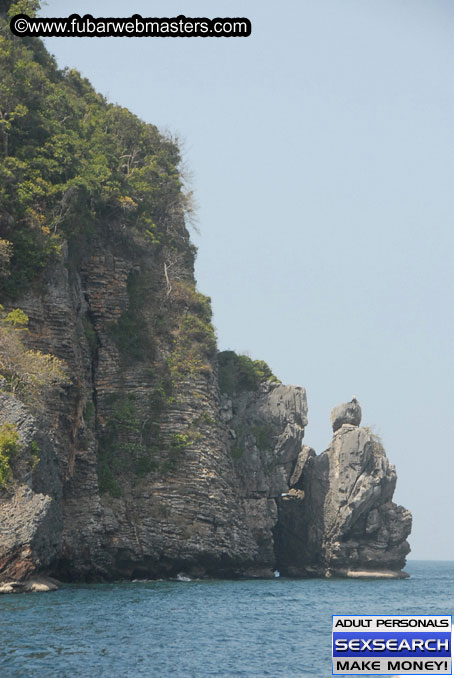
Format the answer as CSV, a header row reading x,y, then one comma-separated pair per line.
x,y
201,629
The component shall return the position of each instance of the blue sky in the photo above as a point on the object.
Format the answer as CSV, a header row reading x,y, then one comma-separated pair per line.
x,y
320,151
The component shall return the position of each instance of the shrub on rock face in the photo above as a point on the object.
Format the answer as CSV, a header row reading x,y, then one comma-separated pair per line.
x,y
5,257
263,435
27,373
194,346
238,373
9,447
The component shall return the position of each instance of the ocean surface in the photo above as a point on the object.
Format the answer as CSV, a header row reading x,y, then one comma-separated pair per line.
x,y
201,629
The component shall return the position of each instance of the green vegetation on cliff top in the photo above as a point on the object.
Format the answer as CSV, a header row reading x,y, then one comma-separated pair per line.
x,y
238,373
68,158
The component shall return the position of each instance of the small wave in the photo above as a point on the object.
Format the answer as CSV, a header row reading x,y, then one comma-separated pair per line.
x,y
183,577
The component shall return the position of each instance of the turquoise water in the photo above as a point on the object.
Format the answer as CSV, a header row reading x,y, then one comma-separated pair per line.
x,y
201,629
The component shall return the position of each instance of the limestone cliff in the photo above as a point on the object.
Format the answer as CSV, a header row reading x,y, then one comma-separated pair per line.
x,y
146,469
345,524
157,455
142,482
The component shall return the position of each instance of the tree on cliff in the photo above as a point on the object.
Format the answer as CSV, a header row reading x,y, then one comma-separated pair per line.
x,y
5,257
12,7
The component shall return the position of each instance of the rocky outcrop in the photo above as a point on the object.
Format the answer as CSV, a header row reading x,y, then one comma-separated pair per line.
x,y
33,585
326,515
347,522
346,413
266,430
167,502
363,529
137,479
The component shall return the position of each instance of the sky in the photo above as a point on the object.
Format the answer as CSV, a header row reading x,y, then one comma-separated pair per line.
x,y
320,151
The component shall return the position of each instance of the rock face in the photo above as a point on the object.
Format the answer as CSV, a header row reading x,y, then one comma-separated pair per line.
x,y
346,413
326,515
137,479
132,481
30,527
266,432
363,529
347,521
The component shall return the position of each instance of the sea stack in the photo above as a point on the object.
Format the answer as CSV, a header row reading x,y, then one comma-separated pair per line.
x,y
364,532
347,524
